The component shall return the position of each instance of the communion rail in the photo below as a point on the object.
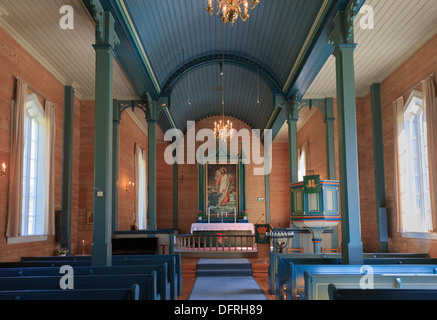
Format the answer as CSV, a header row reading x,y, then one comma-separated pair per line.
x,y
215,243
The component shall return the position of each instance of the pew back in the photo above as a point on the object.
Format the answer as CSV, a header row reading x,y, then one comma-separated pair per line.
x,y
295,285
78,294
380,294
146,283
161,271
316,285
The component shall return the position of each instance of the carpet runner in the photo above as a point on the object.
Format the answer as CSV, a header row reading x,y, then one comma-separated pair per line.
x,y
225,279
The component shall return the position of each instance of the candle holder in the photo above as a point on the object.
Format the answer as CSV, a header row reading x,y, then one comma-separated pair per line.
x,y
3,169
129,186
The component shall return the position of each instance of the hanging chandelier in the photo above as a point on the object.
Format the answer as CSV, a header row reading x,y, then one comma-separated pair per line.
x,y
232,9
223,129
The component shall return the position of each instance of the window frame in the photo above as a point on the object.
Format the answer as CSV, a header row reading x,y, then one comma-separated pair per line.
x,y
413,110
34,117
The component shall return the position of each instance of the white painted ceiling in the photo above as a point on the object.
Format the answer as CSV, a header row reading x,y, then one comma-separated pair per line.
x,y
401,27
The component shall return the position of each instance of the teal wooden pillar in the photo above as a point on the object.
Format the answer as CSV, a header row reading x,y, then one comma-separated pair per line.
x,y
330,155
106,40
67,168
201,188
378,156
290,108
154,108
344,47
175,196
242,200
115,153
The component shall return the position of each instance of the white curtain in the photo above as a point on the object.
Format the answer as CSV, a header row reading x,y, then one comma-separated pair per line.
x,y
140,188
430,111
400,156
49,167
16,162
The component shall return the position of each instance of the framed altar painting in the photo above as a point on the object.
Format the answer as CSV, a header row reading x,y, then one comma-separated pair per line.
x,y
222,188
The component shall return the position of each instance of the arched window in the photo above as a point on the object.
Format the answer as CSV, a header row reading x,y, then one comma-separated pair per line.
x,y
33,169
416,190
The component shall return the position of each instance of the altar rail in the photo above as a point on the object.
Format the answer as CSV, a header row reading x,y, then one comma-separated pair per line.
x,y
215,243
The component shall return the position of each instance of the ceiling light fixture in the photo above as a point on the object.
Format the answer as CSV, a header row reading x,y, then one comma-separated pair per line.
x,y
232,9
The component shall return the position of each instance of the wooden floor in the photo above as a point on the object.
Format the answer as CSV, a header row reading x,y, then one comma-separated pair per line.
x,y
189,267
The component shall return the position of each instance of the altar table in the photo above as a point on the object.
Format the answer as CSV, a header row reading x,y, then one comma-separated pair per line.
x,y
239,227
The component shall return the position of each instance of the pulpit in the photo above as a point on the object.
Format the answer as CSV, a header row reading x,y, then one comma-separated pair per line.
x,y
315,206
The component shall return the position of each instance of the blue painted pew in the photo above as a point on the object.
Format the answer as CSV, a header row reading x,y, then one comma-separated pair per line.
x,y
147,283
174,272
295,285
178,263
277,279
131,293
381,294
161,270
316,285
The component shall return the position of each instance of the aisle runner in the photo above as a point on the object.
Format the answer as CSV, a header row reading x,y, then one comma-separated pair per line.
x,y
225,279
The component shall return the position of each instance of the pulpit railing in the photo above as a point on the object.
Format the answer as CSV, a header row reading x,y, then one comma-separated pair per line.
x,y
215,243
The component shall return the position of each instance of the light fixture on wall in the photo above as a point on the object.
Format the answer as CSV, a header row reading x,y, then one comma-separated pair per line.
x,y
232,9
3,169
129,186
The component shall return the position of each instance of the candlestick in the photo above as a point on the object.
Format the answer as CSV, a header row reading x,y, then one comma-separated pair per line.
x,y
3,169
83,247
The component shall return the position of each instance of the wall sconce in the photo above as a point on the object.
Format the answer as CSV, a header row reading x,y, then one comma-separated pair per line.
x,y
130,186
3,169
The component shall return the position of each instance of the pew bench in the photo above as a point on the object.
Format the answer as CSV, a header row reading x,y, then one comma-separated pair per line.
x,y
174,265
295,284
316,285
146,283
278,279
161,270
380,294
131,293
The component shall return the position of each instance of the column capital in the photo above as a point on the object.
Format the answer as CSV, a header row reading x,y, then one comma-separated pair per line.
x,y
105,25
153,110
289,107
343,32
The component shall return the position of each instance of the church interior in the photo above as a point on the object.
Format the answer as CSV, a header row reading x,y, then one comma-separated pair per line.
x,y
218,150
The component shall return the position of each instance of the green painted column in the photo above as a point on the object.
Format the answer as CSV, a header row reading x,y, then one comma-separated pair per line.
x,y
330,155
67,168
342,39
106,40
154,108
378,156
115,154
292,116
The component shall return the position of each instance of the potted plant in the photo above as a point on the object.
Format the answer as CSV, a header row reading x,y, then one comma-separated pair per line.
x,y
244,214
63,251
199,215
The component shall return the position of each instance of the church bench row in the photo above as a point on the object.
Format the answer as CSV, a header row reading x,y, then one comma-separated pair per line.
x,y
146,282
335,258
174,260
163,283
380,294
316,285
295,283
131,293
171,273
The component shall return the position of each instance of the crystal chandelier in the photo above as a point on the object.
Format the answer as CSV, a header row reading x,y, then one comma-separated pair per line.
x,y
232,9
223,129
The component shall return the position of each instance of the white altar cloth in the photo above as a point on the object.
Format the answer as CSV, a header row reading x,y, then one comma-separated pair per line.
x,y
222,227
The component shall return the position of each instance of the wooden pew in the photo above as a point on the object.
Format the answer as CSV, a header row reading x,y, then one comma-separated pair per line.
x,y
380,294
279,264
295,283
316,286
147,283
174,265
162,273
131,293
